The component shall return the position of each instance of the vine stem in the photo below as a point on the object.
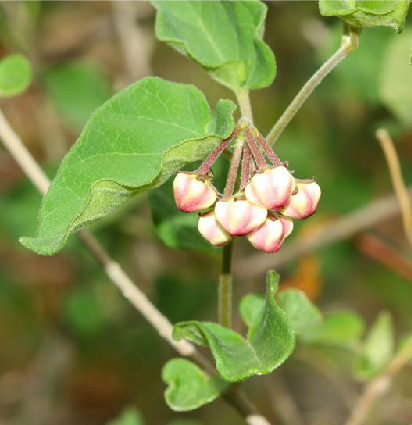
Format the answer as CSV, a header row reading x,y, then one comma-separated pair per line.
x,y
118,276
225,287
349,44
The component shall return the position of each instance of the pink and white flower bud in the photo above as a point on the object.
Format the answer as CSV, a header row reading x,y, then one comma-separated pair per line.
x,y
191,193
271,188
239,217
212,231
270,236
304,203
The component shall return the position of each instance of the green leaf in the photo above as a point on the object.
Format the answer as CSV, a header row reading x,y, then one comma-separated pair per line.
x,y
270,340
77,89
377,349
15,75
224,37
303,315
343,328
368,13
396,77
130,416
133,142
188,386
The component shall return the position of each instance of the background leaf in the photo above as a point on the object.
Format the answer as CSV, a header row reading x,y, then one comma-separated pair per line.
x,y
15,75
189,387
368,13
224,37
343,328
377,349
77,89
133,142
270,341
396,77
130,416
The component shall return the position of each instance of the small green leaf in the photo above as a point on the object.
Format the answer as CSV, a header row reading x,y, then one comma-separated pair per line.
x,y
368,13
224,37
342,328
270,341
377,349
396,77
133,142
77,89
303,315
129,416
188,386
15,75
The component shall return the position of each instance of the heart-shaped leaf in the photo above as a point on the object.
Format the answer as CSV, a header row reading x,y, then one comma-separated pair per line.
x,y
368,13
133,142
377,349
303,315
189,387
270,340
15,75
224,37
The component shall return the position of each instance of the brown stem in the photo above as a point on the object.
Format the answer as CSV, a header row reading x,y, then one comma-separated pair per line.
x,y
246,166
214,155
257,155
268,150
234,166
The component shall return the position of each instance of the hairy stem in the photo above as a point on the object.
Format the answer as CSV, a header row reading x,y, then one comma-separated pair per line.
x,y
257,155
234,167
349,44
246,167
118,276
243,100
214,155
225,288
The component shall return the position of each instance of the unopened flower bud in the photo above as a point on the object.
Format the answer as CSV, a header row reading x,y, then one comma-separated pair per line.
x,y
271,188
270,236
239,217
211,230
191,193
304,203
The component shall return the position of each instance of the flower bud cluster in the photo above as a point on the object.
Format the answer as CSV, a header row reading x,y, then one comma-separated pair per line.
x,y
262,209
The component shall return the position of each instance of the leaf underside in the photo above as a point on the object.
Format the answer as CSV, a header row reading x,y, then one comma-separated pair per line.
x,y
133,142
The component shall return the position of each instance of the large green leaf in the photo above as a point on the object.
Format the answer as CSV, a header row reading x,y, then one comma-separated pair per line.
x,y
133,142
270,340
396,77
15,75
377,349
224,37
77,89
188,386
368,13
